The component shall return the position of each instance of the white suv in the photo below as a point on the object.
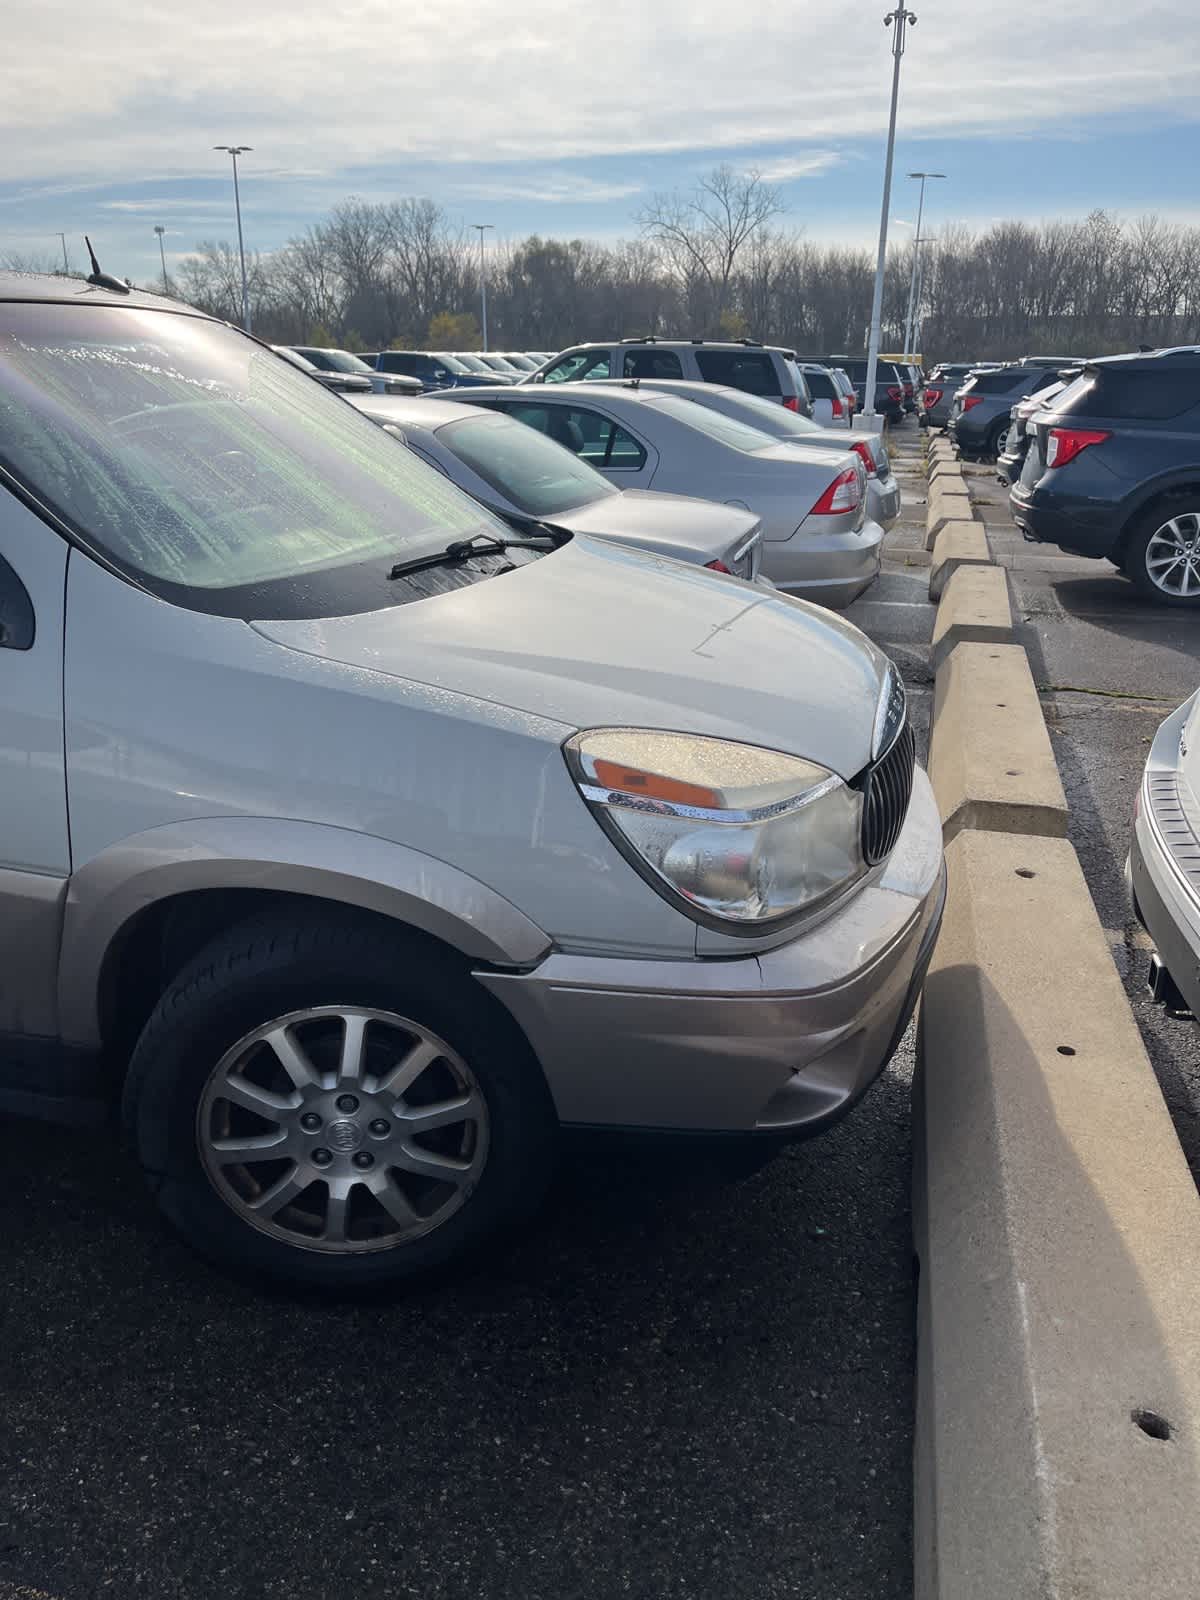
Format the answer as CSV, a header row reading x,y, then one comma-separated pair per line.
x,y
762,369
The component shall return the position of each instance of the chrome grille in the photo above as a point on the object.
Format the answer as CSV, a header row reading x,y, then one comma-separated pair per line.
x,y
887,789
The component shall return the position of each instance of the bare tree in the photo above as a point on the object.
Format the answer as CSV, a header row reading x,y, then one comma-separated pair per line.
x,y
702,234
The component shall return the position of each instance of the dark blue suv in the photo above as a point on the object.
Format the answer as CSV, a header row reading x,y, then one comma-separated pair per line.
x,y
433,369
1113,470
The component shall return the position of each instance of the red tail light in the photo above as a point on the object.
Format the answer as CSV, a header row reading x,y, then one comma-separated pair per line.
x,y
837,406
895,392
970,400
791,402
719,566
861,448
932,396
843,494
1064,444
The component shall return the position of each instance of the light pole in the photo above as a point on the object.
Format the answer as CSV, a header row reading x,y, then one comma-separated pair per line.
x,y
899,21
66,263
236,150
162,255
483,228
910,320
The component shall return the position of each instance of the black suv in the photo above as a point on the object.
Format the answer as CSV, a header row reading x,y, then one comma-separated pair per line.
x,y
980,418
891,385
1113,470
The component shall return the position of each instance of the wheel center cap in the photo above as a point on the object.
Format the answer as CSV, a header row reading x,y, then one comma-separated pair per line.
x,y
344,1136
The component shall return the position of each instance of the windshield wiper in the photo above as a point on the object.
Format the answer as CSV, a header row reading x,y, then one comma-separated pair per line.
x,y
483,544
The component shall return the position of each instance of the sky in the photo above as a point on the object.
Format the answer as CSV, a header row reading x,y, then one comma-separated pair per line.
x,y
548,117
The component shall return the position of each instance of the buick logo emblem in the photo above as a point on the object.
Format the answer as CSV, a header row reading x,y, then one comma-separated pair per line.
x,y
344,1137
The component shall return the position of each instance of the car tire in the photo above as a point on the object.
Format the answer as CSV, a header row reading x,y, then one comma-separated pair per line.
x,y
349,1003
1147,552
996,440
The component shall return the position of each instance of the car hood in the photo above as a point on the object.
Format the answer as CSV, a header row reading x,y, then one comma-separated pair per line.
x,y
670,524
599,635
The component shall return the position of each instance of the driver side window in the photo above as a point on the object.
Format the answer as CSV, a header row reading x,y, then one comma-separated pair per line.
x,y
579,366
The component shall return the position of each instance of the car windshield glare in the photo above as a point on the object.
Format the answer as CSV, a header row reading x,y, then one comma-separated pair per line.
x,y
198,463
777,420
343,361
534,473
726,430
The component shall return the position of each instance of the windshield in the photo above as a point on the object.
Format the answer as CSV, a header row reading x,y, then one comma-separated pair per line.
x,y
522,363
499,364
537,475
472,363
451,363
768,415
207,469
726,430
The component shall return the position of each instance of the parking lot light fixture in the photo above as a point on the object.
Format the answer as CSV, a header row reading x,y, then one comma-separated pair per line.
x,y
910,329
162,256
483,228
898,20
234,151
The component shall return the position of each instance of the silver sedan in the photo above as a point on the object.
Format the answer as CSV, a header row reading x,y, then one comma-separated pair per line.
x,y
883,491
818,540
517,470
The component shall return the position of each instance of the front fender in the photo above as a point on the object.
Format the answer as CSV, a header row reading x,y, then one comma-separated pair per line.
x,y
286,857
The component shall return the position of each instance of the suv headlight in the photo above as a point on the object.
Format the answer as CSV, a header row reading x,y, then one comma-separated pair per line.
x,y
728,831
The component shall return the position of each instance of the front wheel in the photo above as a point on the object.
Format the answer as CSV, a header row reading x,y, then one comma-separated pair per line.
x,y
332,1106
1162,556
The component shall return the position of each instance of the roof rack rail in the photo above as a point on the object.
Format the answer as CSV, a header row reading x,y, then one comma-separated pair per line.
x,y
648,339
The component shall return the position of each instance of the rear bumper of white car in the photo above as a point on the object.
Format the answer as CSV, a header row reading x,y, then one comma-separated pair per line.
x,y
832,568
1164,861
778,1043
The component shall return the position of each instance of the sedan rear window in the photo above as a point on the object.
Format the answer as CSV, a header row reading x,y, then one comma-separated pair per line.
x,y
727,430
206,468
534,473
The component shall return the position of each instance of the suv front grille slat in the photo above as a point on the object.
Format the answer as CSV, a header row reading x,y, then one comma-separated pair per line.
x,y
887,789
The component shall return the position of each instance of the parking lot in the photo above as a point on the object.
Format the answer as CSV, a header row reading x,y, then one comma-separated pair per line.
x,y
671,1387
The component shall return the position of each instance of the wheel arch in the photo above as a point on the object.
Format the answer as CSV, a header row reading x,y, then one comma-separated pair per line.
x,y
1155,496
185,880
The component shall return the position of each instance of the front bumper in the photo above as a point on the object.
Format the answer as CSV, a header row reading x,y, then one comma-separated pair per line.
x,y
831,569
781,1042
1164,862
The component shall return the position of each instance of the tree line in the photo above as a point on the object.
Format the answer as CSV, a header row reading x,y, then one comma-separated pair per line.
x,y
711,262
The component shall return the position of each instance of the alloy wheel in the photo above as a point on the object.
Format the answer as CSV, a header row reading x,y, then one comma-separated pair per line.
x,y
1173,556
342,1129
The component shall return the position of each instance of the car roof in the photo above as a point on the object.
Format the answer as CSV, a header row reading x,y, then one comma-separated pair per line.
x,y
58,289
418,410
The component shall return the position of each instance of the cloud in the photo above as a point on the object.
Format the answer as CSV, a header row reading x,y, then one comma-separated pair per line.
x,y
788,167
148,90
548,189
148,206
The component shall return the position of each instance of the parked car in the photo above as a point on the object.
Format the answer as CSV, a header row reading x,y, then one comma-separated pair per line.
x,y
759,369
520,472
434,369
979,418
883,491
818,542
829,408
1113,470
502,365
888,399
517,359
1163,871
355,367
359,845
849,397
938,392
339,382
474,364
1011,459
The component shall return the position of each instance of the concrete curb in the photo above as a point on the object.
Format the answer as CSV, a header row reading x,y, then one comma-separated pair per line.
x,y
974,608
959,544
1057,1452
945,505
1058,1231
990,759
